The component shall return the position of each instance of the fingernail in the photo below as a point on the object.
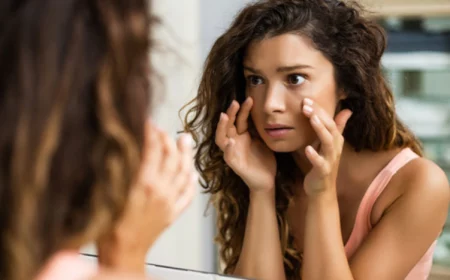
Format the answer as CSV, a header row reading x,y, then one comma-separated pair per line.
x,y
187,140
308,101
307,109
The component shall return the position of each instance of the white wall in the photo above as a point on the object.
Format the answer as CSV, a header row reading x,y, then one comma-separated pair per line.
x,y
189,242
196,24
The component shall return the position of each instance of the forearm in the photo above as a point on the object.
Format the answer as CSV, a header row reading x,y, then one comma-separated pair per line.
x,y
261,256
324,255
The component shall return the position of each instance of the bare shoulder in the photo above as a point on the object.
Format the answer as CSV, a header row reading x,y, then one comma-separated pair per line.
x,y
424,176
421,184
425,186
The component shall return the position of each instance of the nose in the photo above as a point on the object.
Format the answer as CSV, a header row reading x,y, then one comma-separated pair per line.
x,y
275,100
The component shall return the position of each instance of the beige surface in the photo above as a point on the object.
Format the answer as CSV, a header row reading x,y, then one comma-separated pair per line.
x,y
409,8
440,273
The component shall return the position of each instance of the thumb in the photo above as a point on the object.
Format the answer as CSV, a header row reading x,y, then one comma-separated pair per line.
x,y
228,153
341,119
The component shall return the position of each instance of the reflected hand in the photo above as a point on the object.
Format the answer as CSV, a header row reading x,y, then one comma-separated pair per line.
x,y
324,158
249,158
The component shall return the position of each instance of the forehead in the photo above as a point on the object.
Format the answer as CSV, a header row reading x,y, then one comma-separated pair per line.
x,y
282,50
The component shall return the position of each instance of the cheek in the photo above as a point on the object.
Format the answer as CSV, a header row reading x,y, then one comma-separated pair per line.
x,y
255,115
258,105
256,123
329,106
326,98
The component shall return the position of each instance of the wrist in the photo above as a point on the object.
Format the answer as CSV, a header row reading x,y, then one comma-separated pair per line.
x,y
323,199
267,186
260,196
122,258
124,263
267,192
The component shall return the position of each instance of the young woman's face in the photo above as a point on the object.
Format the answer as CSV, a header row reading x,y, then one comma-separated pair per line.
x,y
280,72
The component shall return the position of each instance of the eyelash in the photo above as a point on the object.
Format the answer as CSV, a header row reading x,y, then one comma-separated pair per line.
x,y
295,75
249,80
250,77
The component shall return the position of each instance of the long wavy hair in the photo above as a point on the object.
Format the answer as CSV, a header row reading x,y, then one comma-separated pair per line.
x,y
74,97
352,43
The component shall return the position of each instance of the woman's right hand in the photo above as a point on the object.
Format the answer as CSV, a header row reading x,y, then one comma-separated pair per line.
x,y
165,187
249,158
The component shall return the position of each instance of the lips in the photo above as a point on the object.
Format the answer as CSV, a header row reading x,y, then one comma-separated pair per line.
x,y
277,126
277,130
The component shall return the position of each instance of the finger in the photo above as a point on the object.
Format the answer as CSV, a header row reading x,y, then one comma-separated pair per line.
x,y
311,108
138,197
325,137
316,145
341,119
152,152
316,160
221,131
228,152
170,159
186,165
187,195
242,118
231,113
185,146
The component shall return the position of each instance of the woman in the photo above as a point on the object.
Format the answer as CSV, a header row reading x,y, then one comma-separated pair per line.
x,y
79,161
311,171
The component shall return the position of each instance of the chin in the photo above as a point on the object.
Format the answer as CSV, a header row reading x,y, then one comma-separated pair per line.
x,y
284,146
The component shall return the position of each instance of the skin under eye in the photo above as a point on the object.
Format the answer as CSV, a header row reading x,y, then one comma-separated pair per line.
x,y
254,80
296,79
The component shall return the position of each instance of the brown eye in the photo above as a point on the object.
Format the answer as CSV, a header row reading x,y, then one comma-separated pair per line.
x,y
255,80
296,79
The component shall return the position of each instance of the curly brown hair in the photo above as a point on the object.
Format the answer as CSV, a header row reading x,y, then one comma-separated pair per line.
x,y
74,97
354,45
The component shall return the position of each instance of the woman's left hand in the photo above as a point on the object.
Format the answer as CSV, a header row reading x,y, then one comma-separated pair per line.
x,y
325,156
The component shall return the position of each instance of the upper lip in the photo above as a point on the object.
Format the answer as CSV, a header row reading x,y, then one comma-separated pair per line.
x,y
277,126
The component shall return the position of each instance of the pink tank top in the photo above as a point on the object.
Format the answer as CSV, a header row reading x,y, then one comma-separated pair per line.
x,y
362,225
67,265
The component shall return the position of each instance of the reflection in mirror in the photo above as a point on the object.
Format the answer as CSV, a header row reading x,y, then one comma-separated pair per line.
x,y
300,147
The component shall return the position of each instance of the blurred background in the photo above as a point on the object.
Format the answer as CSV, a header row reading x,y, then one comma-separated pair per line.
x,y
417,64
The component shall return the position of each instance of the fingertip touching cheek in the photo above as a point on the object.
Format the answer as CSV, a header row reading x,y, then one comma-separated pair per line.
x,y
280,73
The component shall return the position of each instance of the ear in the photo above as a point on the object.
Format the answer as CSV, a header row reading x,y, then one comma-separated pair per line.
x,y
342,94
342,118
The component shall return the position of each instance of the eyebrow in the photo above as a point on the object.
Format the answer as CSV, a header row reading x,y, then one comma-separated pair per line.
x,y
293,67
280,69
